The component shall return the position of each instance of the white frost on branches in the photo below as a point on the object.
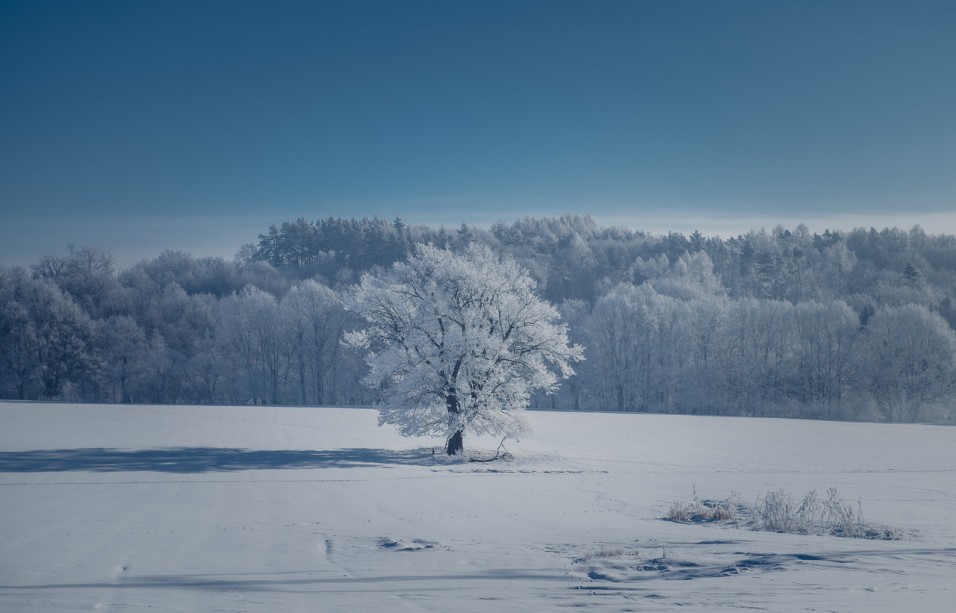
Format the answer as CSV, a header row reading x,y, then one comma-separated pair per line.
x,y
458,343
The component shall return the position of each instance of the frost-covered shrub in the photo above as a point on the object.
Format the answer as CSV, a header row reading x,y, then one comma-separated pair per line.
x,y
779,511
698,510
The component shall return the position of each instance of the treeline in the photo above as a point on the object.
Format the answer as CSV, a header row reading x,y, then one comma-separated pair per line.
x,y
175,329
855,325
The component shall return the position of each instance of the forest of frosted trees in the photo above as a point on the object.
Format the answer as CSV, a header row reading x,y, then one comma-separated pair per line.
x,y
839,325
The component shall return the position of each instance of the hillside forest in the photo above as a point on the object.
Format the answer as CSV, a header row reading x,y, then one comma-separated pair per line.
x,y
854,325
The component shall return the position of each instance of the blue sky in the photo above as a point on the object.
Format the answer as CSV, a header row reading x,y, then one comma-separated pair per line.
x,y
137,125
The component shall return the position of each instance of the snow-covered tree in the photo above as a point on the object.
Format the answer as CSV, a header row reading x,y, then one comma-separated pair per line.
x,y
705,328
910,355
825,341
639,340
122,349
758,352
614,341
251,334
313,315
457,343
44,337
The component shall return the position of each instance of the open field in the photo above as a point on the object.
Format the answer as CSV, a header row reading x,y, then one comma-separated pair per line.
x,y
173,508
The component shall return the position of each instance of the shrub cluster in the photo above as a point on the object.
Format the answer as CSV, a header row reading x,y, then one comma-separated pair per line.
x,y
779,511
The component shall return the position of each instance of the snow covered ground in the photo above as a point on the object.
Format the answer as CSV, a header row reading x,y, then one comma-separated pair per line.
x,y
172,508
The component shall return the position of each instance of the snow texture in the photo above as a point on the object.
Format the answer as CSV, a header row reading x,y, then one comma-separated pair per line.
x,y
127,508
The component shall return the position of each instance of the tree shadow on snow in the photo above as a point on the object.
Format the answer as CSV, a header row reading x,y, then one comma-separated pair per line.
x,y
202,459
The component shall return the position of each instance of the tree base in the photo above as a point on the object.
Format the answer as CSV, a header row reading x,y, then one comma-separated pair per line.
x,y
456,444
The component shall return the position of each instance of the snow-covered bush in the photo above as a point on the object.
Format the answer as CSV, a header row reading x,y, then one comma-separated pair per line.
x,y
698,510
779,511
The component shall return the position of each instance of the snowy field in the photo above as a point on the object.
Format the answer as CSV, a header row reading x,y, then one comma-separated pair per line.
x,y
172,508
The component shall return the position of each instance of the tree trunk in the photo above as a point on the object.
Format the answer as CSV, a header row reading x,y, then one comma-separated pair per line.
x,y
318,373
303,399
455,444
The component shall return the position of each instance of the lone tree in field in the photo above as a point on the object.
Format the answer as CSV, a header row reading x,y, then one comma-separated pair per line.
x,y
458,343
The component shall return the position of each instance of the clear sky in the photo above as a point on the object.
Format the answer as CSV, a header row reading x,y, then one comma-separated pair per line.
x,y
140,125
